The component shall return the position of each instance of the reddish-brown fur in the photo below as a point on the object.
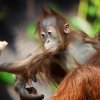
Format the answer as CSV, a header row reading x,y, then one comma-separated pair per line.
x,y
82,83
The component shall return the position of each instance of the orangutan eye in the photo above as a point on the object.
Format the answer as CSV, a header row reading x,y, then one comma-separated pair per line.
x,y
43,35
49,33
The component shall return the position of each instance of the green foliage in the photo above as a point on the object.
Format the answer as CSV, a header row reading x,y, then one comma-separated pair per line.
x,y
7,78
96,26
92,11
53,86
80,23
30,30
88,21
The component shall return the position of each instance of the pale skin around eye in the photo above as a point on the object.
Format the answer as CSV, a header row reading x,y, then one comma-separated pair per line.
x,y
43,35
49,31
53,31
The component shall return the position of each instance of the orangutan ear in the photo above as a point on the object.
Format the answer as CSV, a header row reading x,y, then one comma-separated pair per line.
x,y
66,28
